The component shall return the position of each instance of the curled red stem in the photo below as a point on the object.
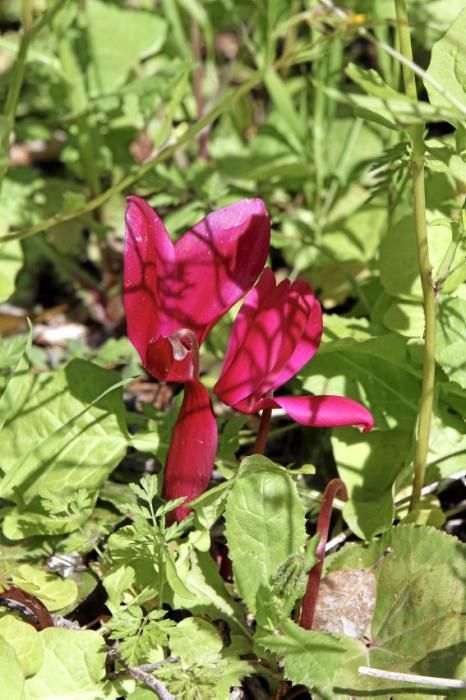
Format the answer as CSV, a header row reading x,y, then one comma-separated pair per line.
x,y
32,604
334,488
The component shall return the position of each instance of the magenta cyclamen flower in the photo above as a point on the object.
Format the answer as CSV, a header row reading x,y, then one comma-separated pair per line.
x,y
174,293
277,331
171,288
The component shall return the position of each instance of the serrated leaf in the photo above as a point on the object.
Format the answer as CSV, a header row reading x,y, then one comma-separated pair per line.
x,y
73,667
264,525
448,65
195,640
25,641
311,658
419,624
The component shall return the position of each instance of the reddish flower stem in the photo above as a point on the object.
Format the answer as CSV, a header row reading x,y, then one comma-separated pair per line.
x,y
32,604
334,488
264,426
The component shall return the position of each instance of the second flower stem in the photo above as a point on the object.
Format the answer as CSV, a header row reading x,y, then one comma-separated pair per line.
x,y
334,488
416,134
261,439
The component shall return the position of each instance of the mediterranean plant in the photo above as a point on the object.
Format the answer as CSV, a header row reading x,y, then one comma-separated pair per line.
x,y
232,357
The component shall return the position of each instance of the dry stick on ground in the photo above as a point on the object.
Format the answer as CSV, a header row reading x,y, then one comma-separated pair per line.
x,y
411,678
142,674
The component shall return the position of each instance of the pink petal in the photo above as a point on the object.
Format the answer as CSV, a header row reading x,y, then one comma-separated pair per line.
x,y
309,341
246,314
192,450
149,270
261,343
301,336
218,261
323,411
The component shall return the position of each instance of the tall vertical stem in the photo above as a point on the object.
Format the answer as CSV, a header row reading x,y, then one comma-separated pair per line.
x,y
7,122
196,42
416,134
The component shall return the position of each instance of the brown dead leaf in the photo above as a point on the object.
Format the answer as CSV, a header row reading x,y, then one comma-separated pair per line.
x,y
346,602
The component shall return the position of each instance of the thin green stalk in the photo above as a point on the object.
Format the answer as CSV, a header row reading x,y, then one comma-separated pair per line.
x,y
318,138
7,121
416,134
162,155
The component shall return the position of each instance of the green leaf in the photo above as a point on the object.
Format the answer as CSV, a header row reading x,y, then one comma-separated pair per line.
x,y
419,624
119,38
117,583
376,372
311,658
394,112
195,641
448,65
175,582
399,271
73,667
55,592
372,83
279,92
447,445
406,318
209,506
25,641
369,463
10,672
11,261
12,349
208,593
264,525
66,432
451,348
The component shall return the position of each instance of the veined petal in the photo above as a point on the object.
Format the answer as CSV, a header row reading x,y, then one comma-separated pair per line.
x,y
300,336
149,269
260,346
218,261
193,446
245,317
309,340
323,411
